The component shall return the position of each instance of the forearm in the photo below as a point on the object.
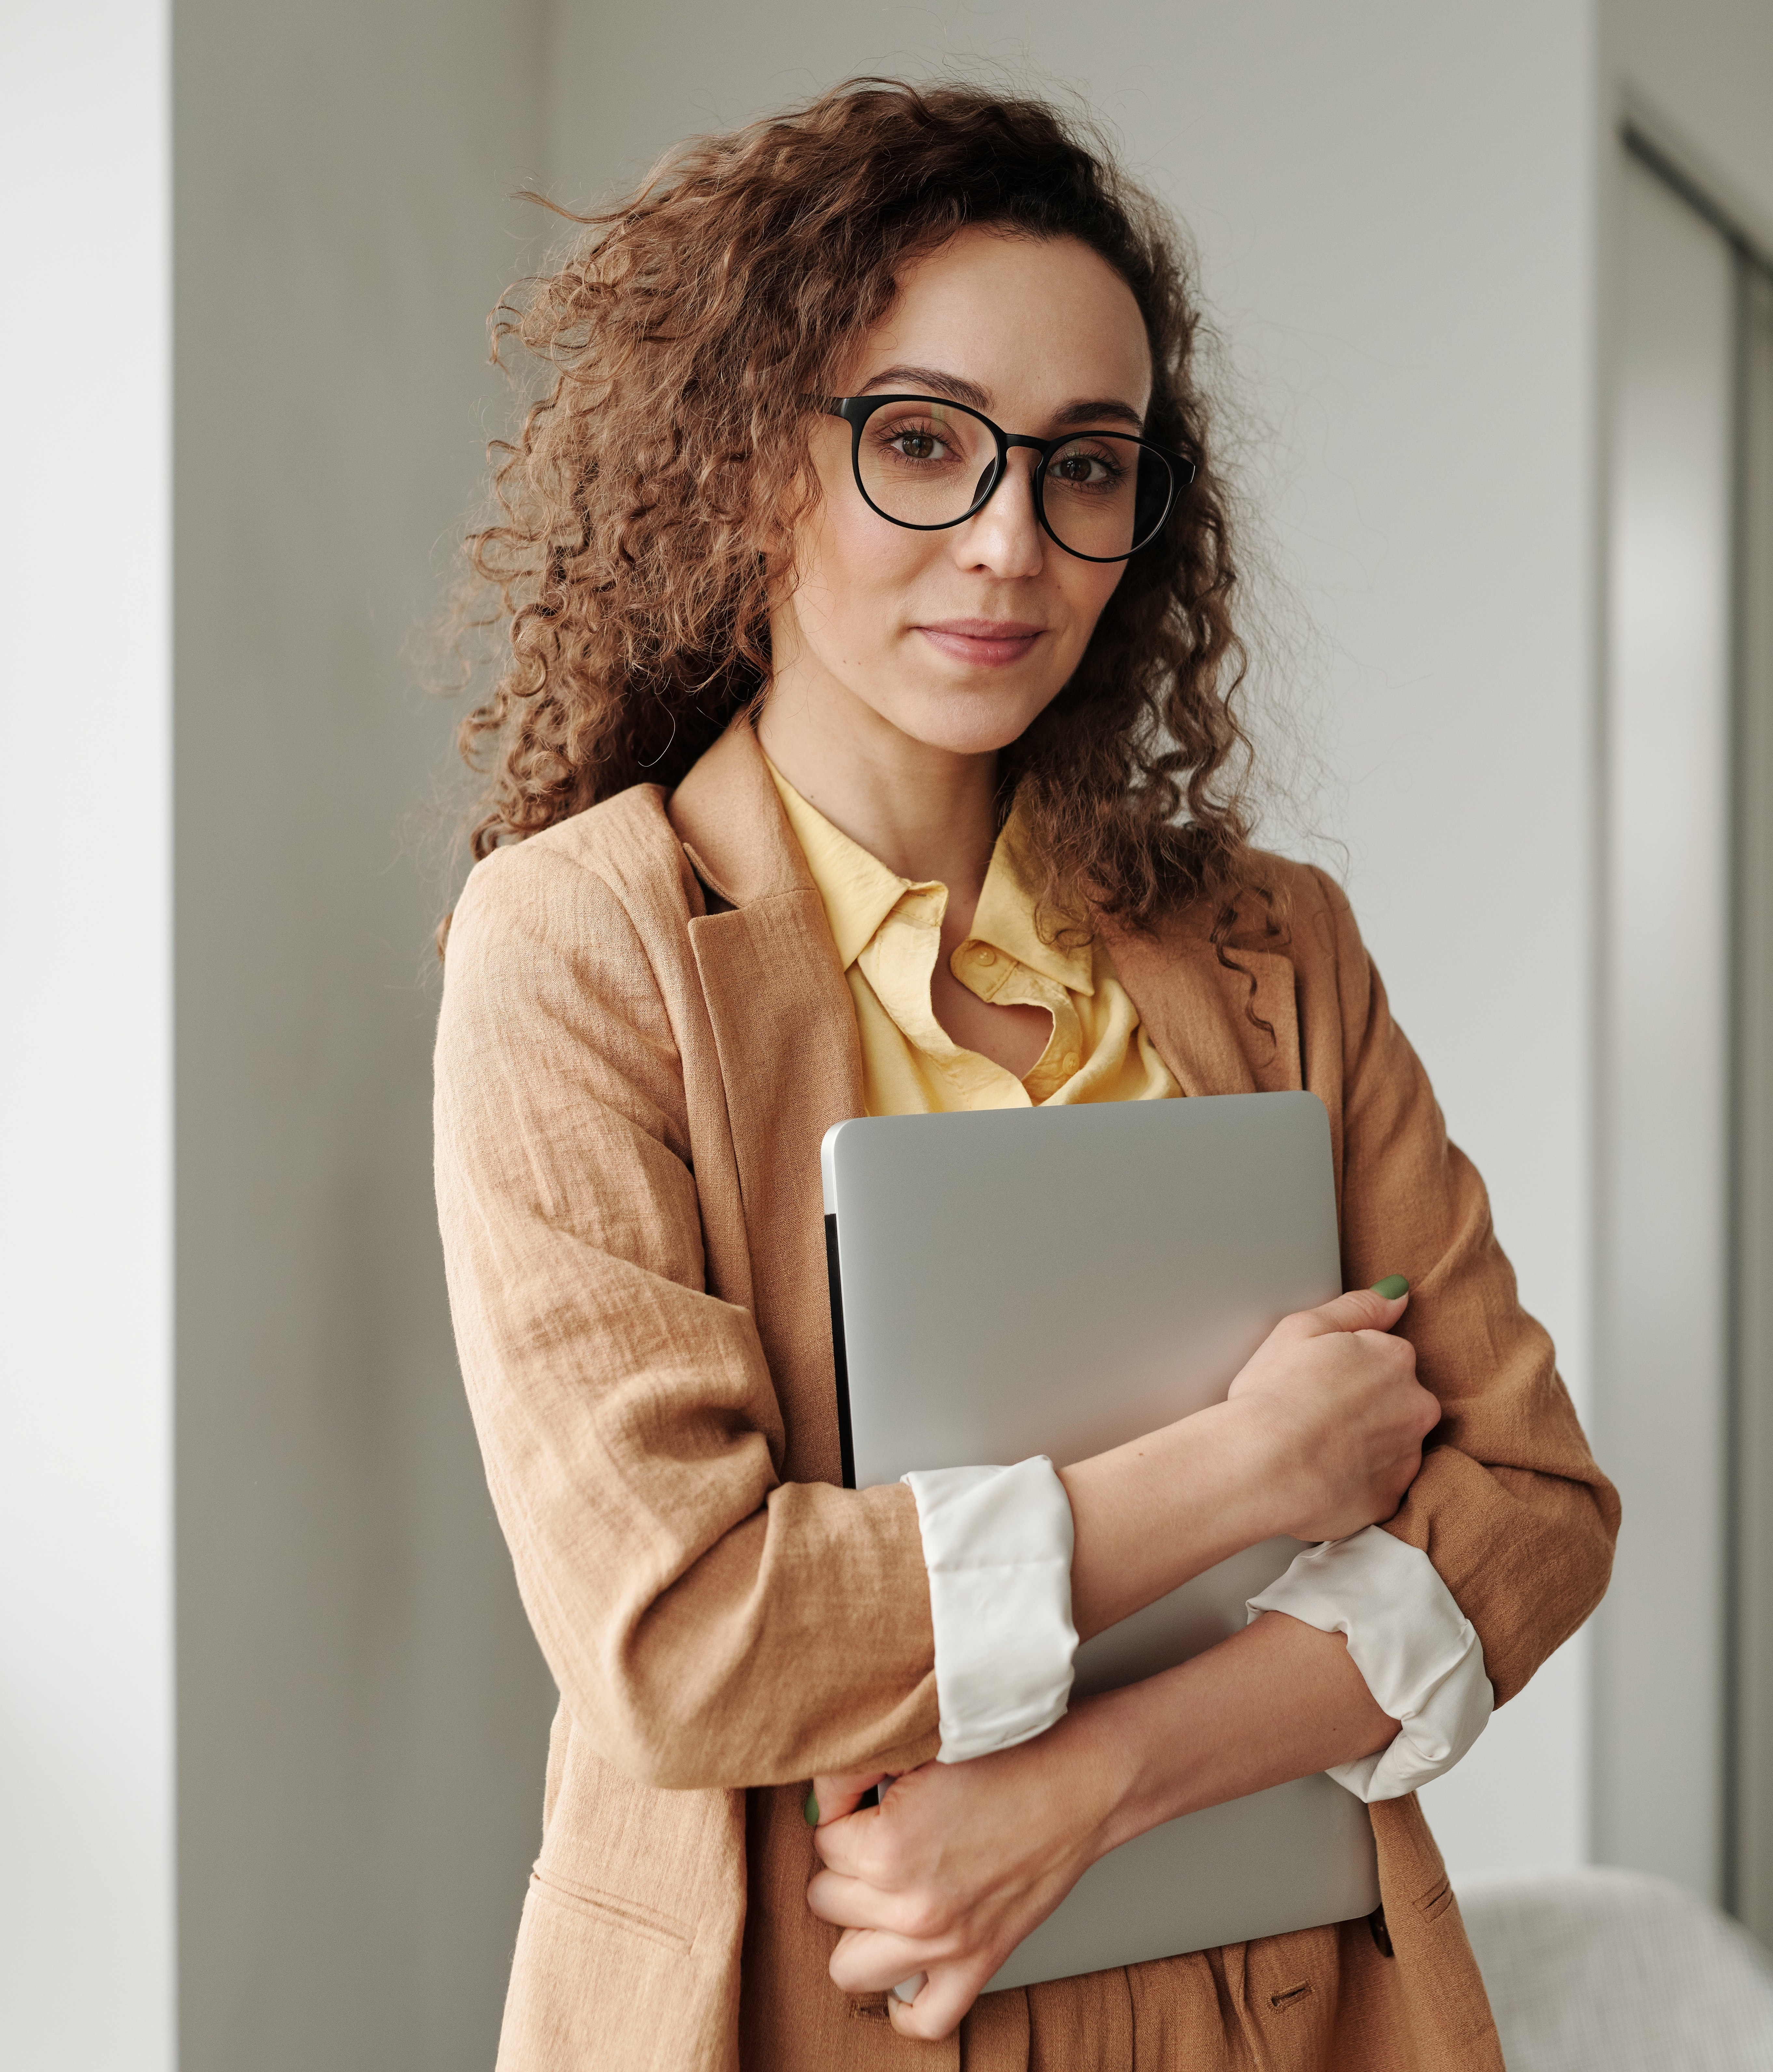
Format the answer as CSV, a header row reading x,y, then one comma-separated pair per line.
x,y
1148,1515
1277,1701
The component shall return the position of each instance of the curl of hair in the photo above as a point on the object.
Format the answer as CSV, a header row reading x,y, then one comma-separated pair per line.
x,y
667,448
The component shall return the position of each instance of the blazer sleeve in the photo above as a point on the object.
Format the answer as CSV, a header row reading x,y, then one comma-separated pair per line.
x,y
1509,1506
708,1624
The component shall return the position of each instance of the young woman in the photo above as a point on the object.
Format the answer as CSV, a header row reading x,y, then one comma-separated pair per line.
x,y
865,743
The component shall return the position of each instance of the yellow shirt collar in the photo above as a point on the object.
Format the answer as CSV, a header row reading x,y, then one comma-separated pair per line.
x,y
1005,916
859,892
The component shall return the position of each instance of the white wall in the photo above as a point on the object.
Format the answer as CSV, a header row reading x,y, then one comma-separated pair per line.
x,y
86,1863
1395,210
361,1711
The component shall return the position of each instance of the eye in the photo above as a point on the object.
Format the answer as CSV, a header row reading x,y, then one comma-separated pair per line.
x,y
920,444
1085,467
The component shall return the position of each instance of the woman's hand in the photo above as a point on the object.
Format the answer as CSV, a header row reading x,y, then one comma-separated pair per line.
x,y
1321,1435
961,1860
1342,1414
958,1863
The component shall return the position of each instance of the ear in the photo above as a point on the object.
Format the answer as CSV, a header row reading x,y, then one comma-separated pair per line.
x,y
774,538
773,531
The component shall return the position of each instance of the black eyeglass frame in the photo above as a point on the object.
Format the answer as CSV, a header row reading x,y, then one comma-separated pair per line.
x,y
856,410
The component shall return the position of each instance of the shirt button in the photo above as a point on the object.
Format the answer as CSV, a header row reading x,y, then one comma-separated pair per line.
x,y
984,956
1070,1061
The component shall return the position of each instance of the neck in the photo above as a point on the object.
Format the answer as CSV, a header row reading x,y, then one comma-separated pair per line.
x,y
926,812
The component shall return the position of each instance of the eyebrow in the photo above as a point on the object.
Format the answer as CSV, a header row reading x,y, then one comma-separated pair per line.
x,y
932,381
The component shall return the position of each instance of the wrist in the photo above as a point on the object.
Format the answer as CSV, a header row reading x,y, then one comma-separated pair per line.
x,y
1262,1467
1130,1747
1096,1744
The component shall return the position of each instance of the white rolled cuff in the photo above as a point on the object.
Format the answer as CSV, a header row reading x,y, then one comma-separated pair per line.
x,y
1421,1657
997,1545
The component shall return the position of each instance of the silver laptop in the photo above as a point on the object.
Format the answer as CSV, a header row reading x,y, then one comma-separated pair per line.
x,y
1058,1281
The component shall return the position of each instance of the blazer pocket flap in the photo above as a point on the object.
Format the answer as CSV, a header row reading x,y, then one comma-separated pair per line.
x,y
633,1915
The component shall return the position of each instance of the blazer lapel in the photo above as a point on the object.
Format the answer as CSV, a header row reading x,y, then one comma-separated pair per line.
x,y
790,1062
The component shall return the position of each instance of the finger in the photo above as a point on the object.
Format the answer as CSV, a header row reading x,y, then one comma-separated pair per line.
x,y
832,1798
941,2003
840,1843
848,1902
873,1960
1360,1310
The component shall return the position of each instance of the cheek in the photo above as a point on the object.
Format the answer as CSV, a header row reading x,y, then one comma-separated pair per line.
x,y
1088,587
876,553
853,563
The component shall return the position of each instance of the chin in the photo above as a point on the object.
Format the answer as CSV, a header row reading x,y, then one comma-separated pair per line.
x,y
977,722
968,722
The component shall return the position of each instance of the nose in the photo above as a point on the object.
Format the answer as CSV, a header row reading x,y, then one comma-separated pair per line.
x,y
1005,538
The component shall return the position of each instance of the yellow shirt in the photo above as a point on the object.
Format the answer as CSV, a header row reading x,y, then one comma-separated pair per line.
x,y
887,932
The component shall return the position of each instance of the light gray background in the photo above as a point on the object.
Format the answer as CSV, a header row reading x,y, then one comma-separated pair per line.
x,y
1404,219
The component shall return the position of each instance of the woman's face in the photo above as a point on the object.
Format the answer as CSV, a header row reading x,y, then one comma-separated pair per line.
x,y
960,638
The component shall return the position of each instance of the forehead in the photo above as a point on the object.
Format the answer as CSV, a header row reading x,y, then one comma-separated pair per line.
x,y
1036,323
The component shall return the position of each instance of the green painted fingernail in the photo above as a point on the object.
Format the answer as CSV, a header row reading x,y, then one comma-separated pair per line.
x,y
810,1809
1394,1286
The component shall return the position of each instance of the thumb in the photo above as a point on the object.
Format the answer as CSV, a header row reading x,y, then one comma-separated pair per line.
x,y
1360,1310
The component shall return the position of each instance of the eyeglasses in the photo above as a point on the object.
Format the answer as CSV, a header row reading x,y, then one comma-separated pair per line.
x,y
927,463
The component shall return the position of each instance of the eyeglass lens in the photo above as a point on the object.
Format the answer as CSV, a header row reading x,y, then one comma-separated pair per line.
x,y
927,462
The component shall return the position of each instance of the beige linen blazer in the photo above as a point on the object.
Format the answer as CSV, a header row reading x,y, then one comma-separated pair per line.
x,y
645,1034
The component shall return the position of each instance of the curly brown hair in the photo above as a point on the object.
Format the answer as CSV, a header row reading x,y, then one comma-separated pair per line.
x,y
667,445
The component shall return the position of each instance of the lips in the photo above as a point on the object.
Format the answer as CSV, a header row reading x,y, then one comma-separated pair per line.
x,y
986,643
